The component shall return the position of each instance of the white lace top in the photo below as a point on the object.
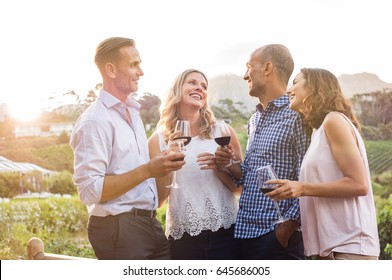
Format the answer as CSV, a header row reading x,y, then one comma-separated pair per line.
x,y
203,202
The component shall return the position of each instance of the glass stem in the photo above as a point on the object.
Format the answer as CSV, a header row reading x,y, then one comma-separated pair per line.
x,y
278,210
174,178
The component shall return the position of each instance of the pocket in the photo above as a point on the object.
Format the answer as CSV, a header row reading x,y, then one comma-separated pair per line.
x,y
278,242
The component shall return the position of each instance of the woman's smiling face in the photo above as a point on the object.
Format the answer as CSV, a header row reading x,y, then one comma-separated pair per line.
x,y
194,90
298,93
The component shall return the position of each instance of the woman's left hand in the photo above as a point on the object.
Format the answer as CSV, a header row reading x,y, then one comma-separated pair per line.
x,y
206,161
285,189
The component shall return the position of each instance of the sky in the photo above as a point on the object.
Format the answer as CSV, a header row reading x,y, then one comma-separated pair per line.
x,y
47,47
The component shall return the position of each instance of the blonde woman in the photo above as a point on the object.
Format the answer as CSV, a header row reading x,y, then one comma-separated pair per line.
x,y
338,215
201,214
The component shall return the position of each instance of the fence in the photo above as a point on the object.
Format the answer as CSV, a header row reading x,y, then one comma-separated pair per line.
x,y
35,251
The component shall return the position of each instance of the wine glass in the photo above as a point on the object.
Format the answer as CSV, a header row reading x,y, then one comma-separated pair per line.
x,y
222,135
264,174
184,131
173,147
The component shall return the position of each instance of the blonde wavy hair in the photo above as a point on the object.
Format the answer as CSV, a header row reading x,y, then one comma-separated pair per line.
x,y
170,108
325,96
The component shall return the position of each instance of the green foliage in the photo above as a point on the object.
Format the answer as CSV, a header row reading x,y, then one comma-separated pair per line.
x,y
161,216
60,222
374,111
382,184
385,230
9,184
43,151
374,108
379,156
60,183
77,247
379,132
149,110
231,111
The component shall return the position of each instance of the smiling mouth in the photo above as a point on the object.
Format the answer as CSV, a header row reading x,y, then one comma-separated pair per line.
x,y
196,96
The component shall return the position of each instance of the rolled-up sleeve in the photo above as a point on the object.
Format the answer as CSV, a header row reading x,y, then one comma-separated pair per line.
x,y
91,144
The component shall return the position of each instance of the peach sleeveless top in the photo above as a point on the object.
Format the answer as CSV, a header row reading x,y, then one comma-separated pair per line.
x,y
346,225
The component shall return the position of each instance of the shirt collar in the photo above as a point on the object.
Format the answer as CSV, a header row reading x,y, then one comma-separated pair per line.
x,y
278,102
110,101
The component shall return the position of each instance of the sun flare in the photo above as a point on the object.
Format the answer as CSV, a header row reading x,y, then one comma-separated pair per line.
x,y
25,111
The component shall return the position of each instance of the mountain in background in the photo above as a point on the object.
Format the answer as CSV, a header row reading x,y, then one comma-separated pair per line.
x,y
234,87
361,83
230,86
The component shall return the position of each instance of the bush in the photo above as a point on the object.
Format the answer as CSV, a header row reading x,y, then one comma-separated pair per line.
x,y
60,222
9,184
61,183
385,230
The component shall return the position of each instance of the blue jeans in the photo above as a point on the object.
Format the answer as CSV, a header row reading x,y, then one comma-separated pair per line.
x,y
208,245
267,247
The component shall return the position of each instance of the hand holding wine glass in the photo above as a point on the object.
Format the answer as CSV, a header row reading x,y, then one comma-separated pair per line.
x,y
222,136
173,147
266,173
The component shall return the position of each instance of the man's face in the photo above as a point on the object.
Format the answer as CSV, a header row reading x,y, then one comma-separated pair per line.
x,y
128,70
254,75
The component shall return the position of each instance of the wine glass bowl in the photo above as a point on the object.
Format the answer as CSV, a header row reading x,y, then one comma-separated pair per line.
x,y
183,130
222,136
264,174
173,147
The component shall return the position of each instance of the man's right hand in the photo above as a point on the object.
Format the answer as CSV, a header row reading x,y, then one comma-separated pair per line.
x,y
223,156
162,165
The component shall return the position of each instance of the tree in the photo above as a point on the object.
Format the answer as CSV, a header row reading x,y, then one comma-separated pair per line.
x,y
149,110
374,108
63,138
61,183
230,110
9,184
7,129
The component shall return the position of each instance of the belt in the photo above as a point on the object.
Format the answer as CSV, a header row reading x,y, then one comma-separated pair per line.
x,y
143,212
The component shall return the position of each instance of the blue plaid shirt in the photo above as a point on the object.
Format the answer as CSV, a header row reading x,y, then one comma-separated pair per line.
x,y
275,136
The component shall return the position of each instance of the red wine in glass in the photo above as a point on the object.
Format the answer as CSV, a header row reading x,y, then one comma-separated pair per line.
x,y
184,131
186,138
222,135
264,174
222,140
179,159
266,190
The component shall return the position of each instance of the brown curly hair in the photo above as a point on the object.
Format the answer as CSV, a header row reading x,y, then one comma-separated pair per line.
x,y
325,95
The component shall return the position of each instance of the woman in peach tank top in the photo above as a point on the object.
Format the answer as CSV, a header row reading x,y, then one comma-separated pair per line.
x,y
338,215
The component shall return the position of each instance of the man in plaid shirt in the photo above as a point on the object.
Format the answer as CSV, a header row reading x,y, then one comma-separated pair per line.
x,y
276,136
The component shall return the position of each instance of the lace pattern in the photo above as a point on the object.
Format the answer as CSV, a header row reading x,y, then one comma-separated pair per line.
x,y
194,224
203,202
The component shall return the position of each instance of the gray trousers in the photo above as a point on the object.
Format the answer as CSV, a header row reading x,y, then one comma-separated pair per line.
x,y
128,236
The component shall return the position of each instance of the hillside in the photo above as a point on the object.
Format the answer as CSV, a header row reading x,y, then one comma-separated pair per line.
x,y
232,87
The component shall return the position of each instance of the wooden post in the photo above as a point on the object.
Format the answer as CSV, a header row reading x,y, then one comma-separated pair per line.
x,y
35,246
35,251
